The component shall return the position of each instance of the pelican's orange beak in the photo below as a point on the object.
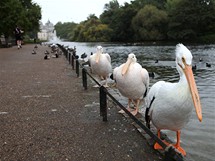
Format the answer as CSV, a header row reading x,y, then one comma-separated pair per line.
x,y
126,66
194,91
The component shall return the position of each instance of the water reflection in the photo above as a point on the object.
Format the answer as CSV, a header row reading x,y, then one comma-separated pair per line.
x,y
197,138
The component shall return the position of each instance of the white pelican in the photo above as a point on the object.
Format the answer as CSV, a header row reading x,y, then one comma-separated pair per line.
x,y
171,104
101,64
132,81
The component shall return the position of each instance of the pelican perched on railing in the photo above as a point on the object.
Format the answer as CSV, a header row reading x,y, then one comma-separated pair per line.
x,y
170,104
132,81
100,64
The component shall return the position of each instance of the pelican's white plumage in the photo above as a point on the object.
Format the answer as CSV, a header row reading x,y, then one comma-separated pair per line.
x,y
171,104
101,64
132,81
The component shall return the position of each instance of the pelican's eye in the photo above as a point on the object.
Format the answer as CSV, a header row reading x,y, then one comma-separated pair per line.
x,y
183,60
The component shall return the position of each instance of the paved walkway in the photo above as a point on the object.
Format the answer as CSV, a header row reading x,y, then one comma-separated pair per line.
x,y
45,114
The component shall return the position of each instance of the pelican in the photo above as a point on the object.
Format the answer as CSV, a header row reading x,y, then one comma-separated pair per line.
x,y
171,104
100,64
132,81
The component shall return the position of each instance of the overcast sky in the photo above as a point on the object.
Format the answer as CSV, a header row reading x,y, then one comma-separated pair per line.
x,y
71,10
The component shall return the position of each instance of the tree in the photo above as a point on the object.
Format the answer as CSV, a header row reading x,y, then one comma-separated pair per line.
x,y
23,13
118,18
109,11
190,19
150,23
122,24
65,30
139,4
92,30
8,15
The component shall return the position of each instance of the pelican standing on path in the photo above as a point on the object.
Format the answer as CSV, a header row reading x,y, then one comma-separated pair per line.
x,y
171,104
132,81
101,64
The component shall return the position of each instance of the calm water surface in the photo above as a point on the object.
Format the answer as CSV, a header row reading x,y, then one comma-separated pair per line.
x,y
197,138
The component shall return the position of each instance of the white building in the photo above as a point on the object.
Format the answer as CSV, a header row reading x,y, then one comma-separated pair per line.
x,y
47,31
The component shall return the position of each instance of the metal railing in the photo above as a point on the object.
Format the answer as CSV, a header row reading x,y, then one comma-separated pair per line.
x,y
171,154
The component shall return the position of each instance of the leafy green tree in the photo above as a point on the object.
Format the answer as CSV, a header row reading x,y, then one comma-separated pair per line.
x,y
23,13
119,18
65,30
78,32
92,30
190,19
9,10
139,4
31,19
150,23
122,24
34,16
109,11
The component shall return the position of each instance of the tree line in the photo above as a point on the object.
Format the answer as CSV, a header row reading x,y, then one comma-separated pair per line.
x,y
146,20
139,20
23,13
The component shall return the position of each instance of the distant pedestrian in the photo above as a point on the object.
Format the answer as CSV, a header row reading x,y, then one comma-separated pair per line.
x,y
18,35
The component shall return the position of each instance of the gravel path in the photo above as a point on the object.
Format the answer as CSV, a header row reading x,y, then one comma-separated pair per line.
x,y
45,114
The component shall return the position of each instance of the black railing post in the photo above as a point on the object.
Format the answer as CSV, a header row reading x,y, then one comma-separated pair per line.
x,y
69,57
66,54
77,67
103,102
84,78
73,62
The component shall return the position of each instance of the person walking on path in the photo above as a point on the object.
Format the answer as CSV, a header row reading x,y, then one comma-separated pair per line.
x,y
18,35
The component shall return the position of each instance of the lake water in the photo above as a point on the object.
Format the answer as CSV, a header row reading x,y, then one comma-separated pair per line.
x,y
197,137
